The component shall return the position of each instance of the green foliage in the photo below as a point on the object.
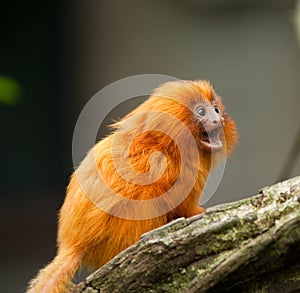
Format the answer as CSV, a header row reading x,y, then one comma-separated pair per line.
x,y
10,91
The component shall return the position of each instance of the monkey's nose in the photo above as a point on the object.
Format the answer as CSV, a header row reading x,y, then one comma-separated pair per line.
x,y
213,120
213,123
216,123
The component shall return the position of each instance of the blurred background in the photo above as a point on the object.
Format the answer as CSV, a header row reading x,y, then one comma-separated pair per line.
x,y
55,55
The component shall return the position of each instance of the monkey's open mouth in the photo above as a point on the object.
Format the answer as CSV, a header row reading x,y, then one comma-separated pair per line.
x,y
210,140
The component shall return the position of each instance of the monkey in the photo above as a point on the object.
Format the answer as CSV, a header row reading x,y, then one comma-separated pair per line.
x,y
172,137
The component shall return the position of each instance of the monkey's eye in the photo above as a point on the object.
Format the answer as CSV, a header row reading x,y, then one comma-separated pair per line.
x,y
201,112
217,110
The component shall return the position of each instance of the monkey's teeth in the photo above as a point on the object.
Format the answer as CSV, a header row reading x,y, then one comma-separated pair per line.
x,y
211,140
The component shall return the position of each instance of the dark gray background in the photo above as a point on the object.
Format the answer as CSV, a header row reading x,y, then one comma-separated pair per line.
x,y
63,52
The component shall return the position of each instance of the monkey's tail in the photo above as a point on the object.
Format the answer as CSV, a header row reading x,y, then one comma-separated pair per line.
x,y
56,276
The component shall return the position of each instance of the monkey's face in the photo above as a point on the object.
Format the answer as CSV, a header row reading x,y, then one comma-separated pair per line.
x,y
201,109
198,106
211,125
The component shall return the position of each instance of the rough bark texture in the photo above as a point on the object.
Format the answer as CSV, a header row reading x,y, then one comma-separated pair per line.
x,y
252,245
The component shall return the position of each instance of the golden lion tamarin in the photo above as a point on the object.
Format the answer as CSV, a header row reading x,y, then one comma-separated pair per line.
x,y
94,224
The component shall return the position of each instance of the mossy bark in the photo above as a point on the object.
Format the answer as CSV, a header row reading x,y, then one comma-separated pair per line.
x,y
252,245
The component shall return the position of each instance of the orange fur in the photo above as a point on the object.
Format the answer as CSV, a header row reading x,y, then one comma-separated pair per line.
x,y
90,235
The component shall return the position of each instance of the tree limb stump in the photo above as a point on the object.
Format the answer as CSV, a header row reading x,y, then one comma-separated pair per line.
x,y
252,245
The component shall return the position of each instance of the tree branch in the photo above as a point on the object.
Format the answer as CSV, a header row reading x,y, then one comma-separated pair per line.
x,y
244,246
